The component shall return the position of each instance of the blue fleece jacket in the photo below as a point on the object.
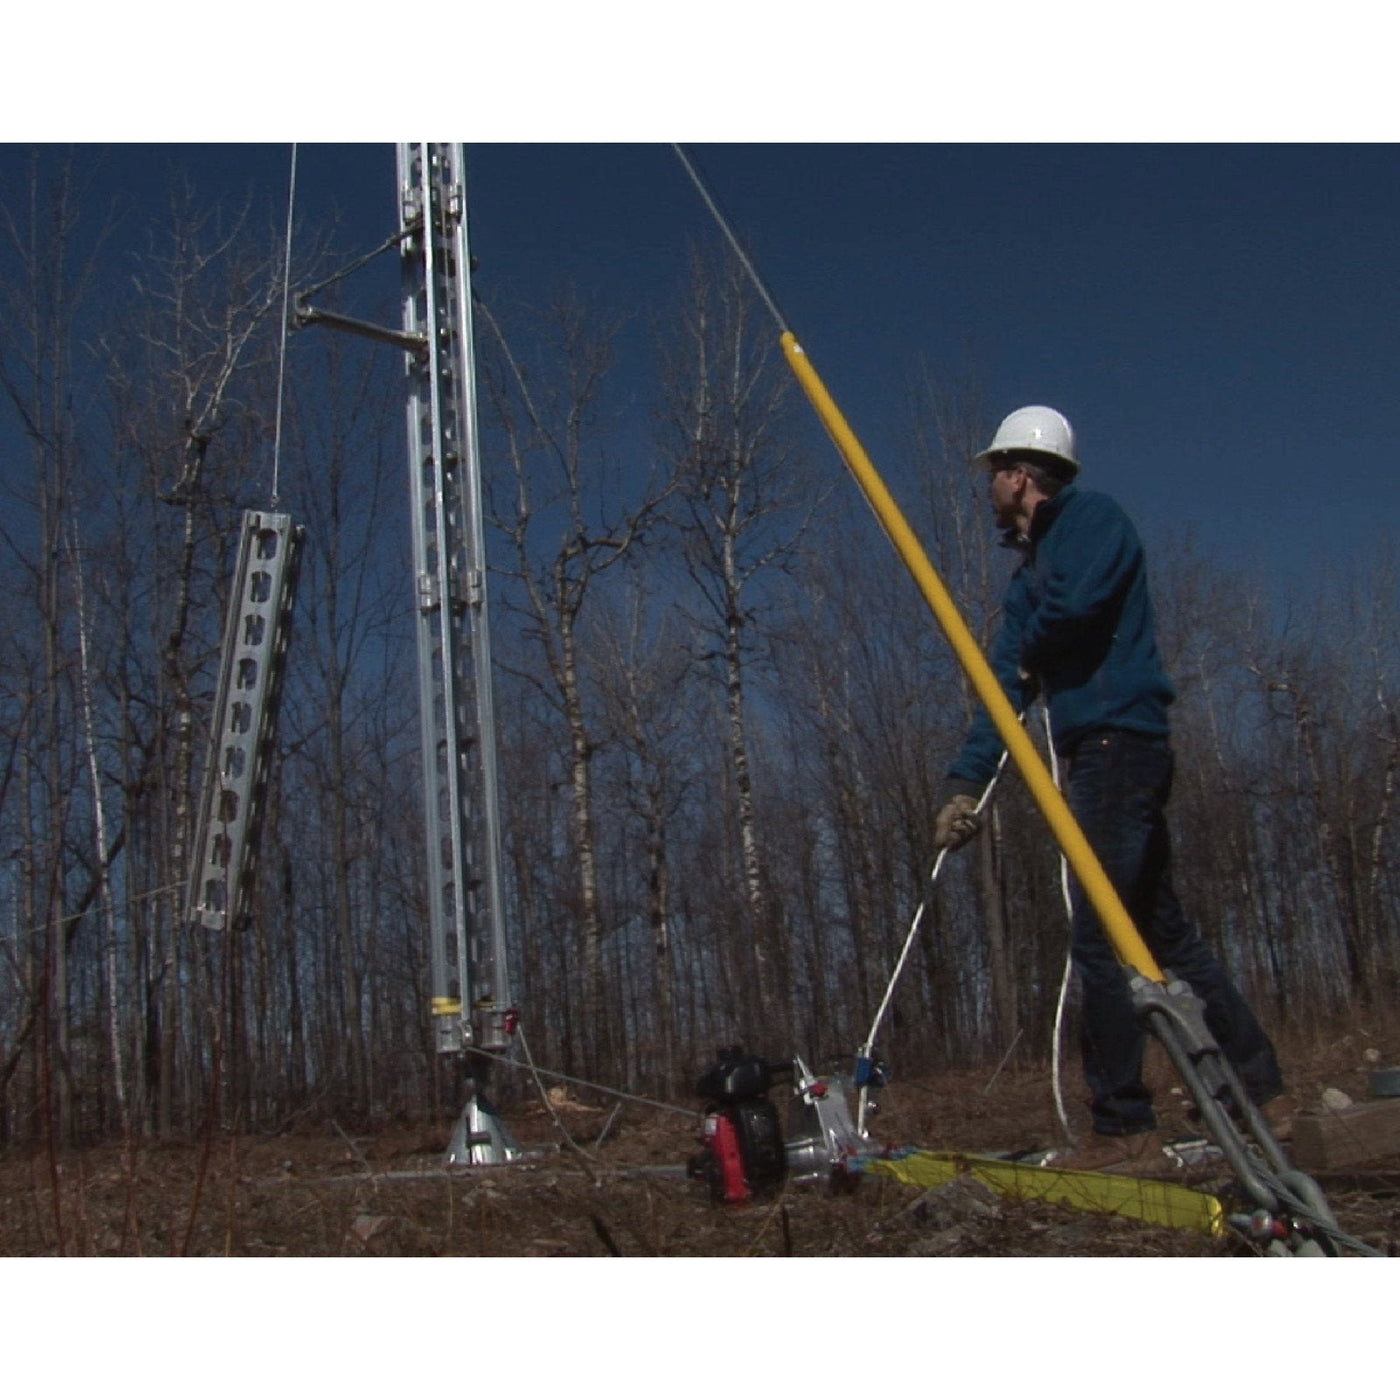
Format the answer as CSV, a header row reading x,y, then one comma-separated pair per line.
x,y
1077,624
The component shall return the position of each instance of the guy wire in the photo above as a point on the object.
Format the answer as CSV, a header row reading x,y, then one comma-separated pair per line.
x,y
728,232
282,353
538,1070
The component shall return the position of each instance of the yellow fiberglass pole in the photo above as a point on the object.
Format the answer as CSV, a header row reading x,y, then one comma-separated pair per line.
x,y
1082,860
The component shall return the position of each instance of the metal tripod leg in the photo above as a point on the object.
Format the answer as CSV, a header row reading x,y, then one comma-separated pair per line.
x,y
481,1139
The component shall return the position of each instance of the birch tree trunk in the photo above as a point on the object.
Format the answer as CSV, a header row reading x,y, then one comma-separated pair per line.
x,y
743,507
102,862
554,459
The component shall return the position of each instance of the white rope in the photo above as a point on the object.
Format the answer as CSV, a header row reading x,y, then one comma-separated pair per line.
x,y
1055,1049
282,354
1057,1033
868,1047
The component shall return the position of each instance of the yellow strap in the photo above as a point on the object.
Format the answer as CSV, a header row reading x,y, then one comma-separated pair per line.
x,y
447,1006
1165,1203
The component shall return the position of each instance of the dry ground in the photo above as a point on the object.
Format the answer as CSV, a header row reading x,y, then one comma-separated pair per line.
x,y
316,1191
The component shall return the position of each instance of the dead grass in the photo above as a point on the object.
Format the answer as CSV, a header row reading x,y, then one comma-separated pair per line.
x,y
322,1192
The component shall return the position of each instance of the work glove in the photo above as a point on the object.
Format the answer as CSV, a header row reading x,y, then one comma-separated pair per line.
x,y
957,822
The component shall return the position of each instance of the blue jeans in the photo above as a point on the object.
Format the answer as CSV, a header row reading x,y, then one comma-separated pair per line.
x,y
1118,787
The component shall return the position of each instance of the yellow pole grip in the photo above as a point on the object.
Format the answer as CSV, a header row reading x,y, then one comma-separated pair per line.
x,y
1082,860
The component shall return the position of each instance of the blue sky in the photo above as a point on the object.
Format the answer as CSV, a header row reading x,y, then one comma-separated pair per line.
x,y
1219,321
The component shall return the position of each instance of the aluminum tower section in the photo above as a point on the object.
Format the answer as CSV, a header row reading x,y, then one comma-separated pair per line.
x,y
257,629
470,992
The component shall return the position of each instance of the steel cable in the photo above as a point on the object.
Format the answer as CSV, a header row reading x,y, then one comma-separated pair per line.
x,y
584,1083
712,205
282,352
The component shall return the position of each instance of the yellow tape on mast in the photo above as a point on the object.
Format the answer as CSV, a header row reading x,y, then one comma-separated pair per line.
x,y
1082,860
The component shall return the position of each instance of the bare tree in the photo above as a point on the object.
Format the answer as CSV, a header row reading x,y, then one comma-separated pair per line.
x,y
742,508
644,667
44,385
355,605
946,428
209,291
565,530
102,851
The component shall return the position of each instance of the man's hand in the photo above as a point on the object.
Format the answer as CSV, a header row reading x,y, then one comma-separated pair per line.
x,y
957,823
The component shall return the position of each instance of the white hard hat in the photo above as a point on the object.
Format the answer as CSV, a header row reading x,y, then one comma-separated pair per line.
x,y
1034,429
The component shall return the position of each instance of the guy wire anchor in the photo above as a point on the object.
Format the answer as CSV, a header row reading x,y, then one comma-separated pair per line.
x,y
1176,1016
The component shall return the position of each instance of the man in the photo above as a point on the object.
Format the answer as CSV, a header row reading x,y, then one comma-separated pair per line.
x,y
1078,629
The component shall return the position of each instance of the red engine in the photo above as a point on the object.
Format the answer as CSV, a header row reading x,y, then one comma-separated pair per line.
x,y
743,1151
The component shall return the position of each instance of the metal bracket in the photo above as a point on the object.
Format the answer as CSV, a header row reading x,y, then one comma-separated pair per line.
x,y
1176,1016
304,315
826,1137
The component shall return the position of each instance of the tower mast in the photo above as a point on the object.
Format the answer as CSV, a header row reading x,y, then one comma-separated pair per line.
x,y
471,997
